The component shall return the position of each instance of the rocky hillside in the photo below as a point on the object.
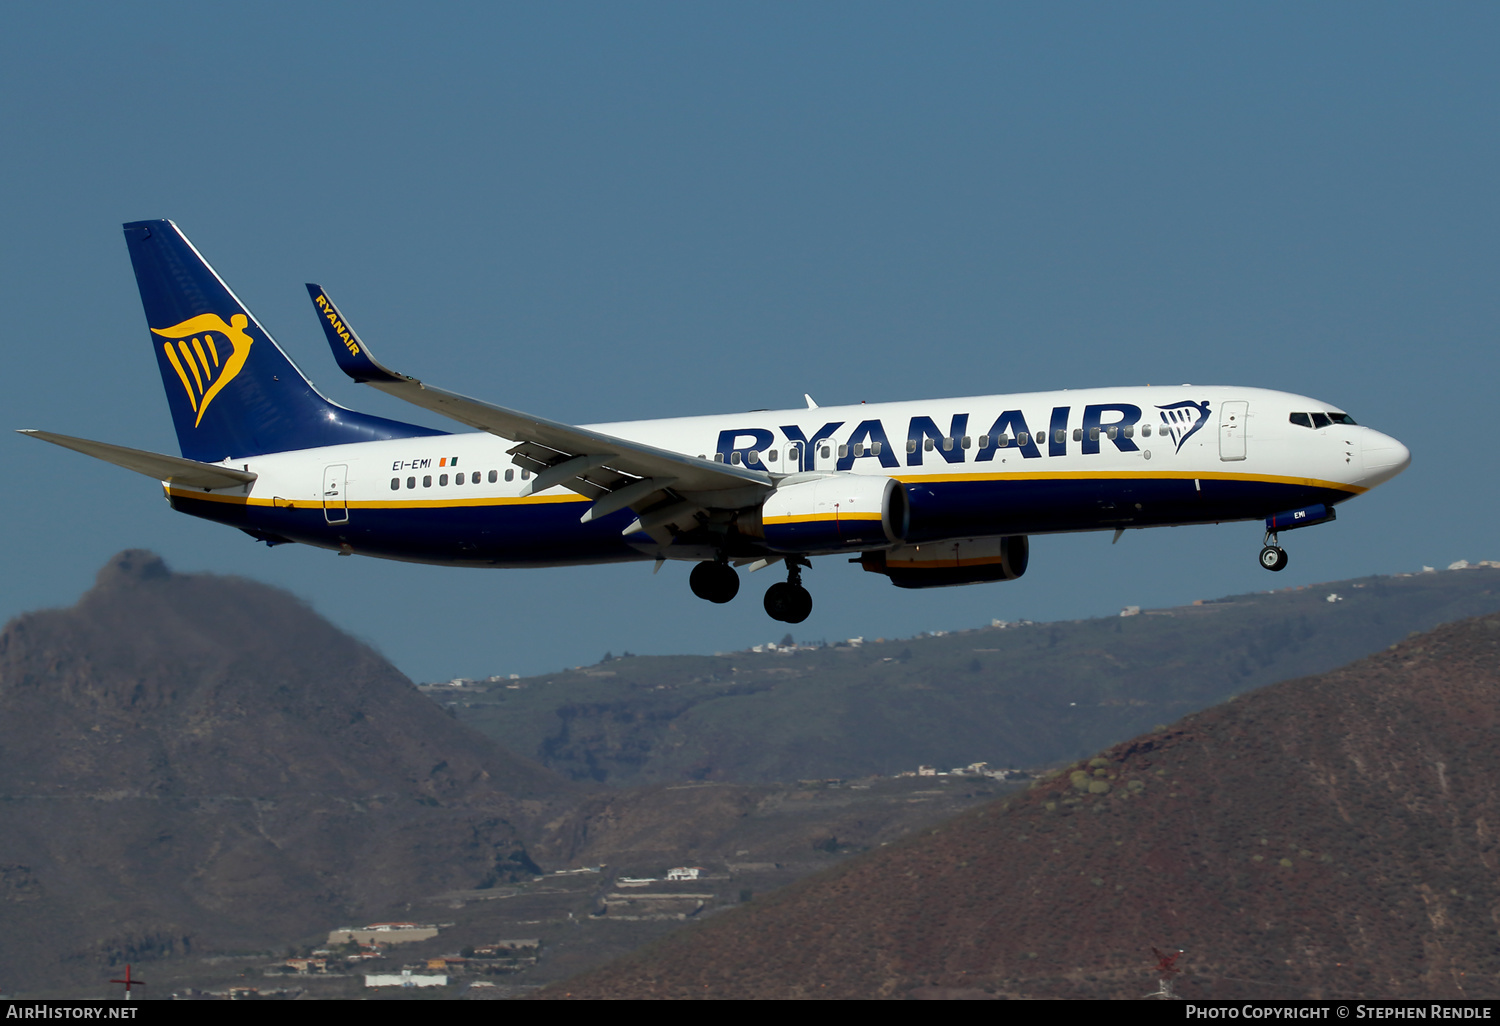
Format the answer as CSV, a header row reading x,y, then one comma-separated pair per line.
x,y
1025,695
192,763
1334,836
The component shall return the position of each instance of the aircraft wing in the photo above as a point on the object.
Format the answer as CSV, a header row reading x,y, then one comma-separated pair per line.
x,y
612,471
153,464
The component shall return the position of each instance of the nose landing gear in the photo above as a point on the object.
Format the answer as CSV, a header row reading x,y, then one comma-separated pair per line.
x,y
1273,556
788,601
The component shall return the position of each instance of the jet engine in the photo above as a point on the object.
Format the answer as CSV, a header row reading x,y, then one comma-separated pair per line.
x,y
837,513
951,561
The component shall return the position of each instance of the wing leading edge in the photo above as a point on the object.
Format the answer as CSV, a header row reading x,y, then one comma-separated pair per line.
x,y
667,489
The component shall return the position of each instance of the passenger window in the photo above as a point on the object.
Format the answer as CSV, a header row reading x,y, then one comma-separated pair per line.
x,y
718,457
1301,420
772,455
1114,432
874,448
395,484
525,475
948,443
734,457
494,476
927,444
1078,434
1129,430
825,452
859,448
427,481
967,440
1003,442
411,482
458,479
1093,434
1145,430
510,475
1320,420
1060,435
442,479
1023,438
843,451
984,441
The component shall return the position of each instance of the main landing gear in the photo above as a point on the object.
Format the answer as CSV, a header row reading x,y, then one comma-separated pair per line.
x,y
1273,556
714,581
788,601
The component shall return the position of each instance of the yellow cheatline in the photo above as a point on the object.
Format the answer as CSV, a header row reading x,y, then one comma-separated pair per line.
x,y
187,358
820,516
530,500
187,386
315,503
944,563
1128,475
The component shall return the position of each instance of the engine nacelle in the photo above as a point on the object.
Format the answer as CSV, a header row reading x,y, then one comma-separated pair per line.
x,y
837,513
952,561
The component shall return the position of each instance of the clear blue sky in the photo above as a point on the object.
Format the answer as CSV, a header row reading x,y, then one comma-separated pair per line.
x,y
608,211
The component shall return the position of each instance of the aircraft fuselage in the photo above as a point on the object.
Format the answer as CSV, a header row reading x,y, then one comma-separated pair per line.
x,y
1025,464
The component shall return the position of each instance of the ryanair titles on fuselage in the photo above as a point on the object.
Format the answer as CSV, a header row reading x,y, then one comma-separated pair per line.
x,y
924,440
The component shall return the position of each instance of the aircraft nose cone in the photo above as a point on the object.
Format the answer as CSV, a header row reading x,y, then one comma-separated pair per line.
x,y
1384,457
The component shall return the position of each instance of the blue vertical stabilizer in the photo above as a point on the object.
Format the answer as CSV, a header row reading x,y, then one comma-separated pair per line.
x,y
232,391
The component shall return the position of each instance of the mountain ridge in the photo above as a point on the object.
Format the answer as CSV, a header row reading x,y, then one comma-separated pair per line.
x,y
1024,695
219,768
1325,837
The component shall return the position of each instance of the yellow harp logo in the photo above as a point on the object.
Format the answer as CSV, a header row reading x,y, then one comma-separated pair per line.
x,y
206,353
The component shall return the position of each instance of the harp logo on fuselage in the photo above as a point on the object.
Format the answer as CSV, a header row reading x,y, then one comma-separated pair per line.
x,y
207,355
1180,421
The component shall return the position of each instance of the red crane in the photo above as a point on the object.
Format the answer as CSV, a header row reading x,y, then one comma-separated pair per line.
x,y
129,982
1166,967
1166,964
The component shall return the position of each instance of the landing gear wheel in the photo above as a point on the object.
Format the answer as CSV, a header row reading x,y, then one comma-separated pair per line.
x,y
787,602
1273,558
716,582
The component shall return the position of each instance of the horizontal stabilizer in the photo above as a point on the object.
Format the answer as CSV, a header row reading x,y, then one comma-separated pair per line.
x,y
163,468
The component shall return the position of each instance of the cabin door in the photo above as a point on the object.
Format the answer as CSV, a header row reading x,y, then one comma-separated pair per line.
x,y
335,502
1232,430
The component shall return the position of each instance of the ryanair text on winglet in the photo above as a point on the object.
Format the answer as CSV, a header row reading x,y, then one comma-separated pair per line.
x,y
339,327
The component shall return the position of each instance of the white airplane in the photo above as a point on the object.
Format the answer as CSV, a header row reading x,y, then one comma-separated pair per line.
x,y
929,493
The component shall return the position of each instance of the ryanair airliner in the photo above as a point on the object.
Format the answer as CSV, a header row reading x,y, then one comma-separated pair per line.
x,y
928,493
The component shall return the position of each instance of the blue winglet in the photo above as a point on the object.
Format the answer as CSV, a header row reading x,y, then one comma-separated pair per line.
x,y
349,351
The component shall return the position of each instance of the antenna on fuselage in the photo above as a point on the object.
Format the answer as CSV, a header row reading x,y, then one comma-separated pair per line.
x,y
810,404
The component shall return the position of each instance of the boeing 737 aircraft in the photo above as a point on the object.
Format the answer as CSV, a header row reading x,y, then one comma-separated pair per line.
x,y
928,493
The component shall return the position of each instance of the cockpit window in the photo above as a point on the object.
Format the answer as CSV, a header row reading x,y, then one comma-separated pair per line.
x,y
1301,420
1320,420
1340,418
